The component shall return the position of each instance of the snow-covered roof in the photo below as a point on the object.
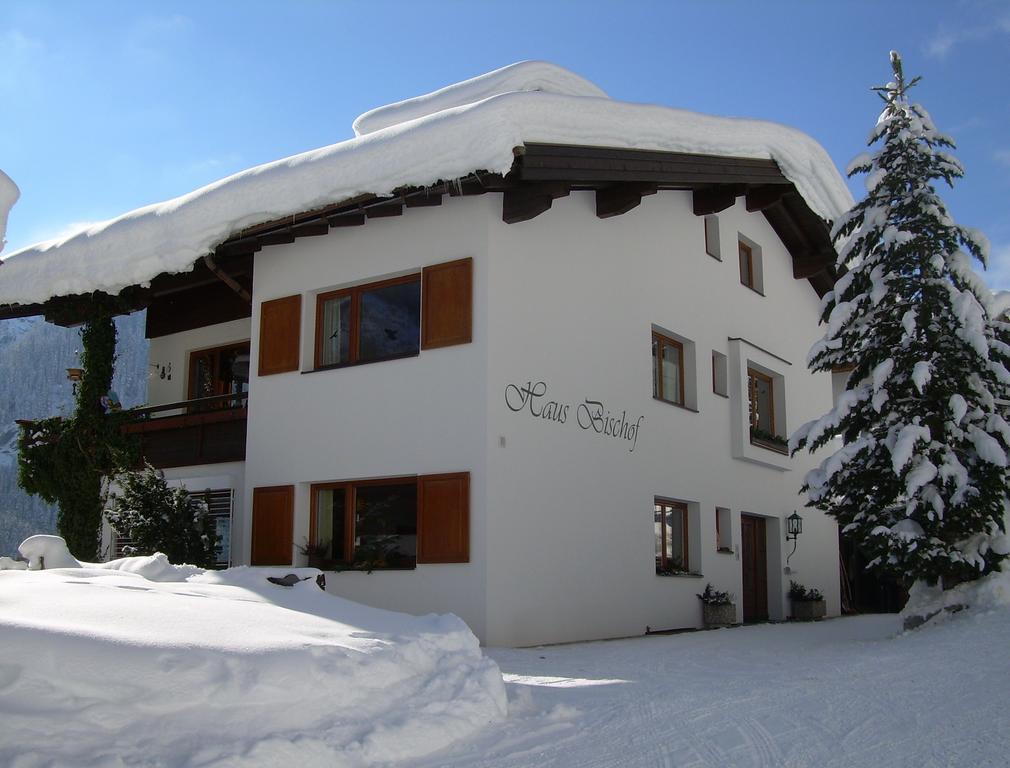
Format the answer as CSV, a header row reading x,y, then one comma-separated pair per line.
x,y
448,134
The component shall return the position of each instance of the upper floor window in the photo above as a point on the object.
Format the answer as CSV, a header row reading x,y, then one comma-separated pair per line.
x,y
712,237
219,371
367,323
750,265
667,369
764,429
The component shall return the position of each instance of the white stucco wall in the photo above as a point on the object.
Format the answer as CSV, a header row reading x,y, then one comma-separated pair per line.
x,y
418,415
570,513
562,541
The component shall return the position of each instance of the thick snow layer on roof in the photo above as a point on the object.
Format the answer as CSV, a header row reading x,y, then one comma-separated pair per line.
x,y
452,143
9,194
523,76
102,667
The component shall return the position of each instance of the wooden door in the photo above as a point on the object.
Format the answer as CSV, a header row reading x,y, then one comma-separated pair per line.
x,y
754,550
272,525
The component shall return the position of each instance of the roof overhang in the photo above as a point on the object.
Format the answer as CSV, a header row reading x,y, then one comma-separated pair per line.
x,y
541,173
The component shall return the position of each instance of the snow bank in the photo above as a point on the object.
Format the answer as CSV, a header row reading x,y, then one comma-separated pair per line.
x,y
926,603
447,144
103,666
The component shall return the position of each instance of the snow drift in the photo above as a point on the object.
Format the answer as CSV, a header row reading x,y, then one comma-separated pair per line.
x,y
445,135
103,666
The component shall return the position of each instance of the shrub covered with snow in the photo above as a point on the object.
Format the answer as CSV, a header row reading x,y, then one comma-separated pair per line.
x,y
140,662
920,482
158,518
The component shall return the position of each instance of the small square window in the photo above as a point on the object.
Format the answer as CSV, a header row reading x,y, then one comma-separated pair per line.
x,y
671,537
667,369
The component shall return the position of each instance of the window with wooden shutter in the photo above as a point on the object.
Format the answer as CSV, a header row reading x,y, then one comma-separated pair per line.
x,y
272,525
443,518
447,304
280,326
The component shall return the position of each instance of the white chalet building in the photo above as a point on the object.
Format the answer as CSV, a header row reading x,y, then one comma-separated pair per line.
x,y
516,351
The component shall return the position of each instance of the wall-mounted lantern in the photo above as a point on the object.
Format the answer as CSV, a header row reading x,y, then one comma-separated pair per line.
x,y
794,527
75,375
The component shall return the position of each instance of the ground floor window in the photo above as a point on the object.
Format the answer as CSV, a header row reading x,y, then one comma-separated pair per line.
x,y
671,537
366,524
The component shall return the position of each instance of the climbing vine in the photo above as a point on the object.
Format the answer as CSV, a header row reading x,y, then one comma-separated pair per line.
x,y
65,461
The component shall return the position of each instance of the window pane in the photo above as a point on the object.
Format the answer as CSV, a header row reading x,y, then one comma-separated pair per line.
x,y
203,375
330,523
235,370
671,374
655,385
385,526
746,266
659,537
336,331
676,556
390,321
761,404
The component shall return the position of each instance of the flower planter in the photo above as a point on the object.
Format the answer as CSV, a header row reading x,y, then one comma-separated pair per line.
x,y
718,615
808,610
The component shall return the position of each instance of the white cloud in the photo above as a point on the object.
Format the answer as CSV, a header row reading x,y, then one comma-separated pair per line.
x,y
949,37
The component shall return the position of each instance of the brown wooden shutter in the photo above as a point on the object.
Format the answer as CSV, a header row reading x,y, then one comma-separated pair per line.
x,y
447,304
272,525
443,518
280,326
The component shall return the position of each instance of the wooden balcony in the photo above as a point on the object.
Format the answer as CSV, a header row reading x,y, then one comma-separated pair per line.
x,y
210,430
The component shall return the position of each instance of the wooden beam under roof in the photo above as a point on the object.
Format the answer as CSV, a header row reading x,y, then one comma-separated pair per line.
x,y
618,199
711,200
527,201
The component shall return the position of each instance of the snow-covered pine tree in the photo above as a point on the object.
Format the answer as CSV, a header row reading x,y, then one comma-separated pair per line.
x,y
159,518
920,480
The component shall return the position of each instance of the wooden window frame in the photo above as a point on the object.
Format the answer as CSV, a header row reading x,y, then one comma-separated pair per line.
x,y
753,373
746,265
660,341
191,373
349,487
663,566
354,346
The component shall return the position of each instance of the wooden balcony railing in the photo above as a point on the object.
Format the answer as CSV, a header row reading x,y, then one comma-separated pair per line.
x,y
209,430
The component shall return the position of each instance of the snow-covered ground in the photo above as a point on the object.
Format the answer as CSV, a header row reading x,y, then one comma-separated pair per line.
x,y
844,693
142,663
103,667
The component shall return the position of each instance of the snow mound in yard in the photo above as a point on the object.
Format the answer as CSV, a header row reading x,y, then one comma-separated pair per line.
x,y
934,604
102,666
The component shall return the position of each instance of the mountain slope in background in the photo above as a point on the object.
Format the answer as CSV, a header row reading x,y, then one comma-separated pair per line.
x,y
34,357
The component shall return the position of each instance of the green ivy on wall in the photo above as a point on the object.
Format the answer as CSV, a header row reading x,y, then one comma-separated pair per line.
x,y
65,461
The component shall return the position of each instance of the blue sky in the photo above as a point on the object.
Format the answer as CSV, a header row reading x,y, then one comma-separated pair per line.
x,y
108,106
